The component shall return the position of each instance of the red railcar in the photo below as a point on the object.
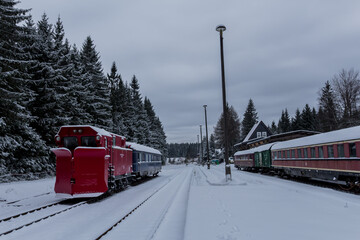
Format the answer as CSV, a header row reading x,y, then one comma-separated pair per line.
x,y
332,156
244,159
89,161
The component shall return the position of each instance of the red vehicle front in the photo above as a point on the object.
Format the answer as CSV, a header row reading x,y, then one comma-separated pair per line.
x,y
82,161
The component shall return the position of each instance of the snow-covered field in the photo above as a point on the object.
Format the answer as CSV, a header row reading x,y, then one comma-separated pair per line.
x,y
189,202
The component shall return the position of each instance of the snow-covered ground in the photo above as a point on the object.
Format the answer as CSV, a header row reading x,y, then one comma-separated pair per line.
x,y
190,202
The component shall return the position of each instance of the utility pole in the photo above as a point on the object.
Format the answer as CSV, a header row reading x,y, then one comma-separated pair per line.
x,y
201,147
207,139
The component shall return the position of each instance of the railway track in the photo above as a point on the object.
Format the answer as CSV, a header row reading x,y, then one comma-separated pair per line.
x,y
18,216
16,222
124,217
39,195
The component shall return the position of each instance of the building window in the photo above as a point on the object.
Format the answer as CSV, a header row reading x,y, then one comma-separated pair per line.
x,y
352,149
321,152
340,148
258,134
330,151
264,134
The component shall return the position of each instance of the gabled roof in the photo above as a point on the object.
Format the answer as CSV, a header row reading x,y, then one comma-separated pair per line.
x,y
251,131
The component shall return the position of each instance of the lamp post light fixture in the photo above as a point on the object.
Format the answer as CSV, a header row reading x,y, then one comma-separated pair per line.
x,y
221,29
207,140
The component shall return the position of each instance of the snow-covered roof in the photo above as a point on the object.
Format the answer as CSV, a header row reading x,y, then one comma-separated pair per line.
x,y
142,148
253,150
251,132
352,133
99,130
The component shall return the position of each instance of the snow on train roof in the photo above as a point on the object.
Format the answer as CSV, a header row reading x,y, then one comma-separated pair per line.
x,y
329,137
142,148
98,130
257,149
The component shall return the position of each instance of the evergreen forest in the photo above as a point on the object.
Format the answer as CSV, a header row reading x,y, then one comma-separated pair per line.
x,y
46,82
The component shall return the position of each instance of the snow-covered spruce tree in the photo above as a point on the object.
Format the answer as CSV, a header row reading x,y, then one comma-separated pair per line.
x,y
21,149
138,113
249,119
78,114
46,106
98,101
117,100
157,137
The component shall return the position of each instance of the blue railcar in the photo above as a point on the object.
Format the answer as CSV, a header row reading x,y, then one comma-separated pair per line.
x,y
146,160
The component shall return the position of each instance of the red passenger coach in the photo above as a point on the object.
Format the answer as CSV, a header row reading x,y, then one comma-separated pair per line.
x,y
244,159
333,156
89,161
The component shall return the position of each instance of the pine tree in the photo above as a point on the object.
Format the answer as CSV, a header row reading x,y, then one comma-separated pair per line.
x,y
98,101
21,149
140,125
307,119
273,128
117,100
328,108
249,120
233,130
284,122
45,106
296,121
78,114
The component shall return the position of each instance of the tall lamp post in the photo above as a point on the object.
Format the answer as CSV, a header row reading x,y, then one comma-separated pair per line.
x,y
207,140
221,29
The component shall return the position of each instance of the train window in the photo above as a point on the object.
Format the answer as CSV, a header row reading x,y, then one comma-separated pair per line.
x,y
70,142
352,149
321,152
305,153
340,148
312,151
114,141
88,141
293,153
330,151
106,143
299,153
288,154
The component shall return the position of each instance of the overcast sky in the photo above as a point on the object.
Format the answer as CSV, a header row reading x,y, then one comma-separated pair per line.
x,y
279,52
